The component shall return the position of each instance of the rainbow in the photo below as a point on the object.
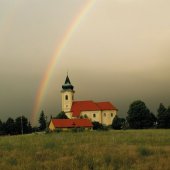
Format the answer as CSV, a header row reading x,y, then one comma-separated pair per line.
x,y
58,51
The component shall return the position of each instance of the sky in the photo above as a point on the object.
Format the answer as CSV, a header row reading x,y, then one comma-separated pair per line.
x,y
118,52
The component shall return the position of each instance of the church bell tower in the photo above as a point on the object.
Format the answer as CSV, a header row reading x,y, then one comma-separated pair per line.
x,y
67,95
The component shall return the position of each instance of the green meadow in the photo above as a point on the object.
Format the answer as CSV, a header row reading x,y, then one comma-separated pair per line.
x,y
94,150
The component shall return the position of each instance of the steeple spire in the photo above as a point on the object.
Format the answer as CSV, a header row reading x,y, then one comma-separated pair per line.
x,y
67,85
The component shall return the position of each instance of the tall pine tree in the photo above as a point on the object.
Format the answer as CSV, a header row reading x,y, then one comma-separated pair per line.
x,y
10,126
42,121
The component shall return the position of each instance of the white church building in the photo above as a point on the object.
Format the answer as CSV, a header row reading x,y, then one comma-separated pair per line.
x,y
102,112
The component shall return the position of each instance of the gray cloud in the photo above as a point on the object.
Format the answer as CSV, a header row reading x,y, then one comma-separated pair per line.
x,y
119,53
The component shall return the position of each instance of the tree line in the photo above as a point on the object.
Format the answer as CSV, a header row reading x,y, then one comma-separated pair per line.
x,y
140,117
21,125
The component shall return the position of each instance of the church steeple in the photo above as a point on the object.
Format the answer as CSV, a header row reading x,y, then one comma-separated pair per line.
x,y
67,94
67,85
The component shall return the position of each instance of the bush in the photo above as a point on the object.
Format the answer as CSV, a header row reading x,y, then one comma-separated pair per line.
x,y
105,128
61,115
143,151
80,129
97,126
58,130
118,123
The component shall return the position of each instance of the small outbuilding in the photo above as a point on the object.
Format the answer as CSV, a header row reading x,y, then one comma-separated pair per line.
x,y
66,124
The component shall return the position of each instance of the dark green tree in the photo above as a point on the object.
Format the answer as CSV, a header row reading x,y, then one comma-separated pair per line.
x,y
21,124
61,115
139,116
42,121
10,126
29,128
0,125
117,122
2,128
97,126
162,116
161,109
168,118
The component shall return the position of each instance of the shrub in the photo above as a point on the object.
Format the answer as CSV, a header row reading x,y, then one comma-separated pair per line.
x,y
58,130
78,129
61,115
117,123
97,126
12,161
143,151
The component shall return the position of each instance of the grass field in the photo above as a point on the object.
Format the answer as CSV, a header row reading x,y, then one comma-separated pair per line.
x,y
112,150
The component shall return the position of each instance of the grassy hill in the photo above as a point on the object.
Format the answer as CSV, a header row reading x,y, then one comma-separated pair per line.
x,y
124,150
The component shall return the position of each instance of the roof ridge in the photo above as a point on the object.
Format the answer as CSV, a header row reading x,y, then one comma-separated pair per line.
x,y
103,102
84,101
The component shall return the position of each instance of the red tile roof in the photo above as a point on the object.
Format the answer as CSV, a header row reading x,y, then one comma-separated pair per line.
x,y
70,123
79,106
106,106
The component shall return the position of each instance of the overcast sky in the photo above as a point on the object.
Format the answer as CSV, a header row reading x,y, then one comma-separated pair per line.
x,y
120,52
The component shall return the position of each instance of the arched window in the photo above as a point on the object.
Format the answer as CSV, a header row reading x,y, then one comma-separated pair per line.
x,y
66,97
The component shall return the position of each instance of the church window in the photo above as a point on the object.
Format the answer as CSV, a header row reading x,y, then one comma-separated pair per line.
x,y
94,115
66,97
104,114
111,114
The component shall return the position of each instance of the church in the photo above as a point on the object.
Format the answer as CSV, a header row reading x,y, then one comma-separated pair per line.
x,y
102,112
82,113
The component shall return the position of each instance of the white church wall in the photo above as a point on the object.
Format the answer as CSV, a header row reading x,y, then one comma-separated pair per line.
x,y
92,115
108,116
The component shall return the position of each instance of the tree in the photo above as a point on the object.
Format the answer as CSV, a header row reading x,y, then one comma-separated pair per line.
x,y
163,116
117,122
21,124
168,118
139,116
42,121
97,126
154,119
10,126
61,115
29,127
0,125
161,109
1,128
